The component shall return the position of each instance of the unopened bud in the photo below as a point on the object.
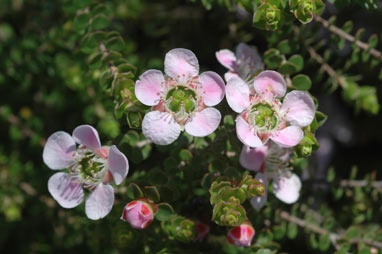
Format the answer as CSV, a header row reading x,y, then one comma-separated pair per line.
x,y
139,213
241,235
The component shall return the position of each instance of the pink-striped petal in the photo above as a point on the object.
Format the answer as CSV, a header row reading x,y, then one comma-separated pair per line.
x,y
213,88
237,94
298,108
65,191
287,188
58,150
259,202
118,164
203,123
227,58
160,127
253,158
288,137
88,136
270,84
246,133
149,86
100,202
181,64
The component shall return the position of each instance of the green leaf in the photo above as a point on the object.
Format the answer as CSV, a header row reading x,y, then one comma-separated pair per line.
x,y
264,251
321,118
292,230
134,119
297,60
373,41
99,22
228,120
115,43
302,82
185,155
287,68
324,242
81,22
313,241
89,43
284,47
331,175
151,192
134,192
272,58
165,211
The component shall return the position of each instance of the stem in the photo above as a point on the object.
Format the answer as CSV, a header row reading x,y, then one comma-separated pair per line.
x,y
334,237
331,72
348,37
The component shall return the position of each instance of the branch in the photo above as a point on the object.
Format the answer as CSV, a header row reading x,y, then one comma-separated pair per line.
x,y
14,120
334,237
331,72
361,183
348,37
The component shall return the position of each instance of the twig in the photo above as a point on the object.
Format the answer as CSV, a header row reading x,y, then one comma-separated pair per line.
x,y
348,37
334,237
14,120
331,72
361,183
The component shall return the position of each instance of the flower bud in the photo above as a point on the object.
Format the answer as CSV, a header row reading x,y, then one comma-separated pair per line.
x,y
202,230
139,213
241,235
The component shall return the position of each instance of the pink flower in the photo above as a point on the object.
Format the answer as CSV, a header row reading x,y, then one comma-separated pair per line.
x,y
241,235
263,116
90,166
139,213
245,64
271,163
181,100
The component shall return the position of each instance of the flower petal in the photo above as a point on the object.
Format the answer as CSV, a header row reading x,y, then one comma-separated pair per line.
x,y
287,188
148,87
227,58
237,94
229,75
298,108
246,134
259,202
203,123
100,202
243,51
65,191
160,127
58,150
87,135
213,88
270,84
181,64
288,137
253,158
118,164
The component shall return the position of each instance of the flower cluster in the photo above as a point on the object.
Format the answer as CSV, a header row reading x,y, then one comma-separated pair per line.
x,y
269,124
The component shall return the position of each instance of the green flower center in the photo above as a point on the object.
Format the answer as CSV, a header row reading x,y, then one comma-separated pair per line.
x,y
181,98
263,117
88,166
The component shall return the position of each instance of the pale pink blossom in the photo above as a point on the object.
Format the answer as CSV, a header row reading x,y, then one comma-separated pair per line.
x,y
139,213
241,235
271,163
262,116
181,99
245,64
89,166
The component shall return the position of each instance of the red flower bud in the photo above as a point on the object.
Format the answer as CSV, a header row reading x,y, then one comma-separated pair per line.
x,y
202,230
241,235
139,213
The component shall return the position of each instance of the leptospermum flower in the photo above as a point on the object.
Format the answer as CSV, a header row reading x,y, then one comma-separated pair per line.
x,y
181,99
139,213
90,165
246,63
271,163
262,116
241,235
